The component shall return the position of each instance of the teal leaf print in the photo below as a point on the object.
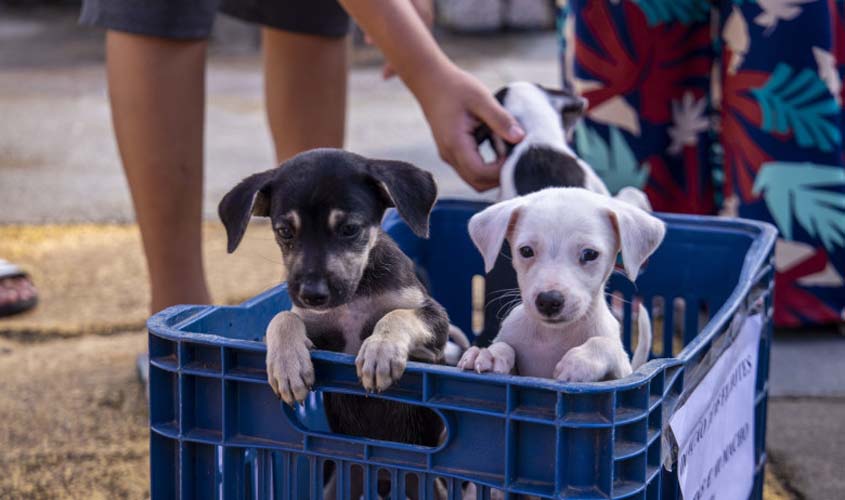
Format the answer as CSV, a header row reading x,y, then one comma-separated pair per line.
x,y
813,194
615,163
665,11
560,26
800,103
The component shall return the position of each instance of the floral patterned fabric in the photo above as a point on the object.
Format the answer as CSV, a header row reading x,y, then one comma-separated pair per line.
x,y
724,106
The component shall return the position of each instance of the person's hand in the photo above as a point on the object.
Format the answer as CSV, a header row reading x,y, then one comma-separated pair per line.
x,y
425,9
455,104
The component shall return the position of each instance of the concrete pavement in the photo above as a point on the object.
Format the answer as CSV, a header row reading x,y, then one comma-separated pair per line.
x,y
806,428
816,361
806,445
58,160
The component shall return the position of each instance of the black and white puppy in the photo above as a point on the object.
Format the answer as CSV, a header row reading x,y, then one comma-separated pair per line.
x,y
352,288
544,158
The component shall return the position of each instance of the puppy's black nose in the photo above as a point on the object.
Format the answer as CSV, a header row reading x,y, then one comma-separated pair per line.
x,y
314,292
549,303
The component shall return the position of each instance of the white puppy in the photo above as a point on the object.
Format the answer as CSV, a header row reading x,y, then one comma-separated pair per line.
x,y
564,243
544,157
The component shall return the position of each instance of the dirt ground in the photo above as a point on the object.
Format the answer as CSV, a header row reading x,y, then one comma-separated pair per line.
x,y
92,279
73,419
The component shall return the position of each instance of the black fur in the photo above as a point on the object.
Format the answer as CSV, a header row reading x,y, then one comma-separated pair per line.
x,y
411,190
433,314
313,184
248,198
501,94
567,103
483,133
381,419
388,269
540,167
346,180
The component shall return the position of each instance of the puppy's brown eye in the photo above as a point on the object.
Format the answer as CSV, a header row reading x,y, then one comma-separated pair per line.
x,y
349,230
588,254
526,251
285,232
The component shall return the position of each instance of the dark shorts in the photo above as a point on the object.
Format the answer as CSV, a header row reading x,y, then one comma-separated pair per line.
x,y
190,19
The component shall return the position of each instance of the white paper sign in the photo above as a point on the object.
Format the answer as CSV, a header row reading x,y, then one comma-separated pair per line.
x,y
715,426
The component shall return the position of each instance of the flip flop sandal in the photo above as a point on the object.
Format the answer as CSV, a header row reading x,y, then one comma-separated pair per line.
x,y
13,280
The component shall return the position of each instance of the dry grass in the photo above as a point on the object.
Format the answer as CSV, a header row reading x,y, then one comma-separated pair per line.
x,y
92,279
73,419
774,489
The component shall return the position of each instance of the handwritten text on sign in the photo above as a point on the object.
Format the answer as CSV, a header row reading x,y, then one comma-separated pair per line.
x,y
715,426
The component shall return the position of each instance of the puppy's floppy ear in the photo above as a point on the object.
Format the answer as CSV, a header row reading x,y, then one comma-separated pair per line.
x,y
570,106
489,227
638,234
410,189
483,133
634,196
249,197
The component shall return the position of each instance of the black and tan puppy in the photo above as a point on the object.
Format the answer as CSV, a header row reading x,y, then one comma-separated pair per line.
x,y
352,288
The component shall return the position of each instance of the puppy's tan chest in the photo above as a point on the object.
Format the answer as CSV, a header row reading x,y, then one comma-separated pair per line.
x,y
356,320
346,322
351,323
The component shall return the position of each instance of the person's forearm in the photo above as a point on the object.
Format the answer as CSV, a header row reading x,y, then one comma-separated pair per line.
x,y
454,102
403,38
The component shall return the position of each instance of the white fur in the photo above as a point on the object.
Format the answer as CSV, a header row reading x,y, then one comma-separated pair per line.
x,y
455,347
539,114
634,196
540,118
582,341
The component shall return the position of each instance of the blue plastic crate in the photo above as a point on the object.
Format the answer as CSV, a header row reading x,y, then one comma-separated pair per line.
x,y
218,431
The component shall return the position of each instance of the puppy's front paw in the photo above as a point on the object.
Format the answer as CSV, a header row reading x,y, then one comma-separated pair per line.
x,y
498,358
467,361
576,366
381,362
289,369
